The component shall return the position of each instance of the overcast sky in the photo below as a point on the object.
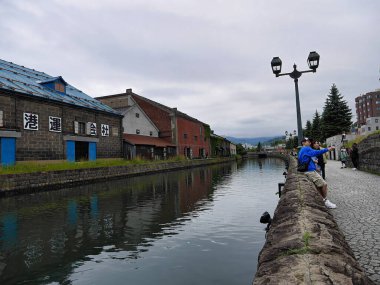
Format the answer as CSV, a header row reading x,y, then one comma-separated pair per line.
x,y
209,58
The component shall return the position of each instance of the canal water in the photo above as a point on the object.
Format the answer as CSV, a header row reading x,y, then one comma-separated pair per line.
x,y
197,226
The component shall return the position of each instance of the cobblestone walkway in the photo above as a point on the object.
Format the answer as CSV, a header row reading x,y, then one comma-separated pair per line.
x,y
357,196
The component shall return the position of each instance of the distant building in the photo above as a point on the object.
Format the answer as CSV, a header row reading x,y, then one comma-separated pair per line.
x,y
178,133
372,124
367,106
220,146
232,148
45,118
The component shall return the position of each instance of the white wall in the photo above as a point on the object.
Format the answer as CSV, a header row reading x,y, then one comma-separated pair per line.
x,y
337,142
372,125
232,149
131,123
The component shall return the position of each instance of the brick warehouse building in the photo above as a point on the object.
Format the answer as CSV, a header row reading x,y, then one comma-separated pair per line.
x,y
190,136
44,118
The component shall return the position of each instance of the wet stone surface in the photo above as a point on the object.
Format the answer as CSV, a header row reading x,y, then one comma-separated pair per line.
x,y
357,196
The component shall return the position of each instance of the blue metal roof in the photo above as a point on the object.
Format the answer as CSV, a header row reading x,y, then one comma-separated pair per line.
x,y
53,79
28,81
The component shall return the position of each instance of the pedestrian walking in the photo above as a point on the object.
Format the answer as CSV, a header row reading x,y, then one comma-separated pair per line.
x,y
343,157
305,156
355,156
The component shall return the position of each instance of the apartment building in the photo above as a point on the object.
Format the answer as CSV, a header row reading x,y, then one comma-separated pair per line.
x,y
367,106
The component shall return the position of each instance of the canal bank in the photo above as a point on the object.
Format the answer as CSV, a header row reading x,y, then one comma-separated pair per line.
x,y
304,244
13,184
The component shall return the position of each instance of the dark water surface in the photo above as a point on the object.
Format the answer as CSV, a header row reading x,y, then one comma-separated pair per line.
x,y
199,226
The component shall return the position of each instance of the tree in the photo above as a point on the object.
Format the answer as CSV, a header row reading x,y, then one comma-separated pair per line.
x,y
277,141
240,149
292,142
259,147
307,130
336,116
316,130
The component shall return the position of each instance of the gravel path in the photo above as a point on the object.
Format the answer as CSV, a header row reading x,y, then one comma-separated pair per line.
x,y
357,196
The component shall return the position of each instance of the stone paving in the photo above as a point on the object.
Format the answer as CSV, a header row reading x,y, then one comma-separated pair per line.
x,y
357,196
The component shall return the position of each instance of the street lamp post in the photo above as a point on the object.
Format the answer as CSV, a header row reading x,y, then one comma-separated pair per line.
x,y
294,133
290,137
313,62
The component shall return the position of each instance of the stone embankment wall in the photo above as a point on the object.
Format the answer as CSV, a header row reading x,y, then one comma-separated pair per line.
x,y
11,184
369,154
304,244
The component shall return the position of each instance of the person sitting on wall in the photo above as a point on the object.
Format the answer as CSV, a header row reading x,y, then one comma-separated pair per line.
x,y
343,137
305,156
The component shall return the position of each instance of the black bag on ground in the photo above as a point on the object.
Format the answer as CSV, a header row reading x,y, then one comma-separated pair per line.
x,y
303,167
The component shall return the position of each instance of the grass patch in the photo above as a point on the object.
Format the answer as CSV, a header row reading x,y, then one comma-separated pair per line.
x,y
306,238
44,166
359,139
303,250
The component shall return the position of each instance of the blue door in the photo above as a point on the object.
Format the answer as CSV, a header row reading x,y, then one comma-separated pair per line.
x,y
8,151
70,151
92,151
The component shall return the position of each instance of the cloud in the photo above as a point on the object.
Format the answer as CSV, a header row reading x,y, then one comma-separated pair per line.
x,y
210,59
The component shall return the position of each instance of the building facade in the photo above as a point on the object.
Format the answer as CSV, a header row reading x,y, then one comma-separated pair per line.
x,y
372,125
220,146
44,118
141,135
367,106
233,149
189,136
135,121
192,138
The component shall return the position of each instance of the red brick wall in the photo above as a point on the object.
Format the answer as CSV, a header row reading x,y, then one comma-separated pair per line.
x,y
158,116
368,106
194,129
195,136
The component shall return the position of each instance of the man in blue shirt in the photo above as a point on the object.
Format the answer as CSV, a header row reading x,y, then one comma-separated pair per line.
x,y
306,155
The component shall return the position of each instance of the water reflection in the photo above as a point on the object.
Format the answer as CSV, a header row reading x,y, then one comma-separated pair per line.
x,y
128,225
9,234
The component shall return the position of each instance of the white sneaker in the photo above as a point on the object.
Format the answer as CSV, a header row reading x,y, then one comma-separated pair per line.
x,y
329,205
354,168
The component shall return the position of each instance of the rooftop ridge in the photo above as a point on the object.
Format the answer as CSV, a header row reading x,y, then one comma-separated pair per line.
x,y
23,68
28,81
159,105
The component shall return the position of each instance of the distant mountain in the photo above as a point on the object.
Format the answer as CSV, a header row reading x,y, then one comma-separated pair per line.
x,y
253,141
